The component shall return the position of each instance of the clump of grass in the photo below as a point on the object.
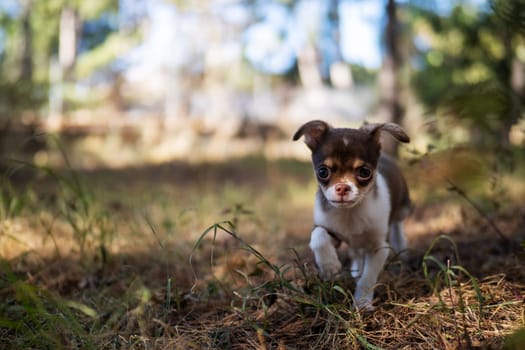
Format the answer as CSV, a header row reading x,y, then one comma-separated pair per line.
x,y
32,317
12,203
331,303
448,277
72,203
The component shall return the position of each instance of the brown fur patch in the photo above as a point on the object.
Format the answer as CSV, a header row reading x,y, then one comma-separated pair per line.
x,y
329,162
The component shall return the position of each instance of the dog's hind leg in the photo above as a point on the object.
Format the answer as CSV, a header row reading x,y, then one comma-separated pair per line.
x,y
397,237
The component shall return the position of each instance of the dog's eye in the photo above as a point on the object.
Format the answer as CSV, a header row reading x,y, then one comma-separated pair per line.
x,y
323,173
364,173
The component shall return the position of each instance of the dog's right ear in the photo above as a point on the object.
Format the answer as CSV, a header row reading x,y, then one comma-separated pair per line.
x,y
313,131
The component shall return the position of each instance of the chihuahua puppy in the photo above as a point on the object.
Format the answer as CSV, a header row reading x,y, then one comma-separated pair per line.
x,y
361,201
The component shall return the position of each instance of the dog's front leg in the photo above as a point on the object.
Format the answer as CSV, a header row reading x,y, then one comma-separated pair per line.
x,y
322,244
373,264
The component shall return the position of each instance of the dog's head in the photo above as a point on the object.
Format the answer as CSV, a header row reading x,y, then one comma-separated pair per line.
x,y
345,160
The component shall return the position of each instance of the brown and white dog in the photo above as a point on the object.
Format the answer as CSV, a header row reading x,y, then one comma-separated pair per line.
x,y
362,200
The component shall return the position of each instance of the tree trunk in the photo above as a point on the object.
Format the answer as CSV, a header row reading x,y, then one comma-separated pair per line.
x,y
308,66
26,71
512,70
68,38
389,82
516,84
62,70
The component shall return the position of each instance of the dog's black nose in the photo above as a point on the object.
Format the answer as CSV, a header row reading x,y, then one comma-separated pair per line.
x,y
342,189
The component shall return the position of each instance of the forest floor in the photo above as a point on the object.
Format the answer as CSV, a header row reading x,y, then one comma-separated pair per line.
x,y
215,256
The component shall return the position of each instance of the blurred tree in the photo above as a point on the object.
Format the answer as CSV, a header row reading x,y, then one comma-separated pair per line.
x,y
34,32
26,71
470,66
68,38
44,29
306,44
510,20
17,89
70,15
390,85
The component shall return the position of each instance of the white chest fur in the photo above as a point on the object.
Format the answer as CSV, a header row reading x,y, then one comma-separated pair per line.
x,y
362,226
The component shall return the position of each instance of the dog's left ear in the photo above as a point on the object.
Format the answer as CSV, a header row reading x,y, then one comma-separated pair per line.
x,y
314,132
374,130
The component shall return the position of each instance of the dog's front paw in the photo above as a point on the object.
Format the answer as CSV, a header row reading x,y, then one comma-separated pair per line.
x,y
364,300
364,305
328,270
